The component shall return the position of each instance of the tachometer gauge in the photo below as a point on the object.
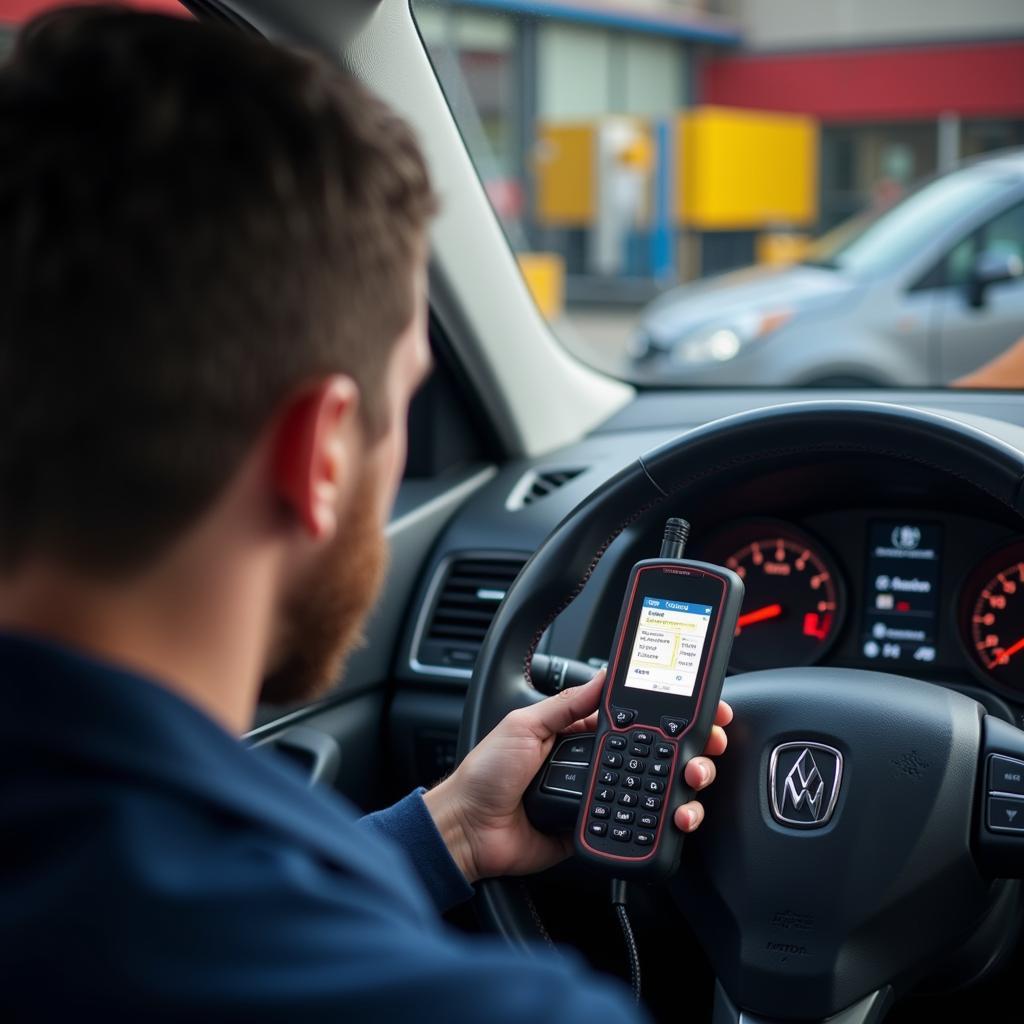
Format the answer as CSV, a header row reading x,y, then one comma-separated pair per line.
x,y
794,603
992,616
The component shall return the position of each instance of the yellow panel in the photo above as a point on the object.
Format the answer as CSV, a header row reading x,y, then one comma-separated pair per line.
x,y
545,277
746,169
564,165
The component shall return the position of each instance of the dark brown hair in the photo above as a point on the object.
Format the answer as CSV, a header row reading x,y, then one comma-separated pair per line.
x,y
193,223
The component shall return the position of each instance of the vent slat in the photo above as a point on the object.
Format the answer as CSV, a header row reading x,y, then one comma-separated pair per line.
x,y
464,608
546,482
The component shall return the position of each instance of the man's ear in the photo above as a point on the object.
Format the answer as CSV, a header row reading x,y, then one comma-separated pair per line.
x,y
311,468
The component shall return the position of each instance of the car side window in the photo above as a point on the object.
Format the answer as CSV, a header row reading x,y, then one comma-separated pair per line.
x,y
1004,233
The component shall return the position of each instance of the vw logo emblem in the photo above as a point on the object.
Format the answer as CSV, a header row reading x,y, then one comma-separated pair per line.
x,y
803,783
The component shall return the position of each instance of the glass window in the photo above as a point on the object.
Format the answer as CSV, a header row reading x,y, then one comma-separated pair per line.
x,y
1005,233
893,236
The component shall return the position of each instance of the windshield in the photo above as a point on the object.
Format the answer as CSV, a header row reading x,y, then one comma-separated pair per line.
x,y
725,193
886,239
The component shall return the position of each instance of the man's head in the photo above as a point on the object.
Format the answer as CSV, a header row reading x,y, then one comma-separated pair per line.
x,y
209,247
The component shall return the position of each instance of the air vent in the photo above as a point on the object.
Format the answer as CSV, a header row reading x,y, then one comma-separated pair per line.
x,y
539,483
462,600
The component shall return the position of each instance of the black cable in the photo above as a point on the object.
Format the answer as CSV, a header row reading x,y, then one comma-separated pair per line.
x,y
619,903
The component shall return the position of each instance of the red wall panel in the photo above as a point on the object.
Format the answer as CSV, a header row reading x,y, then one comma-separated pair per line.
x,y
975,80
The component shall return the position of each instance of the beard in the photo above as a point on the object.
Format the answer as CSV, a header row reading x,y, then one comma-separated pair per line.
x,y
324,620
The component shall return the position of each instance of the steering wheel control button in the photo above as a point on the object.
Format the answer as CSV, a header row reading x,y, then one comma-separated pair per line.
x,y
621,834
1005,775
651,803
597,828
632,781
663,750
616,743
644,838
647,820
1005,814
643,736
566,778
600,811
612,760
624,817
622,716
674,726
605,795
608,778
574,751
628,799
803,783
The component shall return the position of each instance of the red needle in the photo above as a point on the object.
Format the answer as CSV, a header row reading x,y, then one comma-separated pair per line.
x,y
769,611
1008,653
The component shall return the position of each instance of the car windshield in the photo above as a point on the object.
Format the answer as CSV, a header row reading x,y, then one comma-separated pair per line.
x,y
880,241
727,193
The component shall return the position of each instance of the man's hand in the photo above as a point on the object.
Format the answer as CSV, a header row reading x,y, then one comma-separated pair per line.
x,y
479,807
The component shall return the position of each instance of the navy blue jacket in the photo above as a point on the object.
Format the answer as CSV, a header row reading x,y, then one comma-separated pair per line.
x,y
155,869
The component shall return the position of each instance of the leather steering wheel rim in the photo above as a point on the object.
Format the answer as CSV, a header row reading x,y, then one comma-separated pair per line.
x,y
562,565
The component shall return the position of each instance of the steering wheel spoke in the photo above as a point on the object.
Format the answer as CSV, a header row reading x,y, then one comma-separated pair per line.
x,y
869,1010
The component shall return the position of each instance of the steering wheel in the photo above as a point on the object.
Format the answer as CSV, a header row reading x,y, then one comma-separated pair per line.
x,y
802,923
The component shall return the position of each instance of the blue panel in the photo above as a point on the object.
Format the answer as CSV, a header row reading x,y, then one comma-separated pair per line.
x,y
649,24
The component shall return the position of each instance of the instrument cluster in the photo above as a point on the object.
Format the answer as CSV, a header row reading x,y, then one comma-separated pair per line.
x,y
912,594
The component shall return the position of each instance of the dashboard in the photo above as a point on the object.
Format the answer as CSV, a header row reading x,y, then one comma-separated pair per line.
x,y
849,561
882,588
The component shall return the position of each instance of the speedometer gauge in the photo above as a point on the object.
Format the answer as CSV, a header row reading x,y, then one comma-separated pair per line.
x,y
793,604
992,616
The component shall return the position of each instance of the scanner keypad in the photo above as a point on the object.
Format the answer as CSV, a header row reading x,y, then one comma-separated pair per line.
x,y
635,792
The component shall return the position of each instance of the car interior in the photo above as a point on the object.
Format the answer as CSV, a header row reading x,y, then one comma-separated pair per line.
x,y
533,484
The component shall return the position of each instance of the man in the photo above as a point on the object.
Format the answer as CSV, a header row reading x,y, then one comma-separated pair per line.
x,y
211,323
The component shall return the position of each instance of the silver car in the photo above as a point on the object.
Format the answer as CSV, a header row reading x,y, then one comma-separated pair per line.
x,y
916,296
